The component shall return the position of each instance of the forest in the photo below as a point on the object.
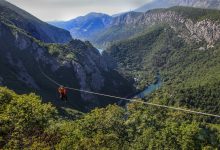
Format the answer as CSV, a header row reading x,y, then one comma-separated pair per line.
x,y
27,123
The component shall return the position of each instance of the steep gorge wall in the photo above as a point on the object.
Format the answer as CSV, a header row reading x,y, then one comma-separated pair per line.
x,y
191,30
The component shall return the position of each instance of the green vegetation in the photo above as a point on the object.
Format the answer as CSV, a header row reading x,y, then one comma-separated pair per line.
x,y
197,14
122,30
26,123
61,51
137,57
55,60
116,33
191,76
23,119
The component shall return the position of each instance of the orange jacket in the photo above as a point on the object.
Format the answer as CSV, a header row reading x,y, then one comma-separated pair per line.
x,y
62,90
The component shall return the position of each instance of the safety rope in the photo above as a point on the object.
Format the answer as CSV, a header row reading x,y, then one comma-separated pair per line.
x,y
131,100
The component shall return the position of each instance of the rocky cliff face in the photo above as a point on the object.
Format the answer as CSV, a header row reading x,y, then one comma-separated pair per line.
x,y
205,30
76,64
213,4
89,68
26,56
194,25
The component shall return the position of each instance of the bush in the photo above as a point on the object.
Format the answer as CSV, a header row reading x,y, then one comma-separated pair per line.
x,y
22,118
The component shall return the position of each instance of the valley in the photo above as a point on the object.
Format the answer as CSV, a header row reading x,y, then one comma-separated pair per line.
x,y
73,63
161,54
150,88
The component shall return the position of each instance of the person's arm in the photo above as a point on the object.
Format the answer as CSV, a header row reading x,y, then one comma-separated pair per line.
x,y
65,91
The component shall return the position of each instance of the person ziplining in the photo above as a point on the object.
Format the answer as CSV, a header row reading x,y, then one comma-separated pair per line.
x,y
63,93
63,96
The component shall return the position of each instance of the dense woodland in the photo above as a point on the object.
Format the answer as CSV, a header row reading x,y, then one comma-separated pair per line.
x,y
190,75
27,123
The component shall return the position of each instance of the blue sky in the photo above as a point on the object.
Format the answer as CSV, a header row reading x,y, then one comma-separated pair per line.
x,y
50,10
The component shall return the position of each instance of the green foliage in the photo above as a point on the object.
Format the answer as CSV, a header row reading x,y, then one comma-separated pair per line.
x,y
192,74
140,127
141,56
61,52
54,50
26,123
23,118
102,128
70,56
116,33
160,129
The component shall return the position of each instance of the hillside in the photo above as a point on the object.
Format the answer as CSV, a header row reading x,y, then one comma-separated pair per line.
x,y
15,16
101,30
75,64
132,24
211,4
182,45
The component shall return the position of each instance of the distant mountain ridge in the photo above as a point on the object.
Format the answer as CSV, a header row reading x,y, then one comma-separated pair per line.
x,y
85,26
13,15
212,4
94,26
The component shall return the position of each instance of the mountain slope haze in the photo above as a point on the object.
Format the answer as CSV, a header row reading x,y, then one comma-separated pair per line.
x,y
13,15
211,4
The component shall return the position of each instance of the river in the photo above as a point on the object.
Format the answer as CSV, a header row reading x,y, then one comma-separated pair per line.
x,y
149,89
100,50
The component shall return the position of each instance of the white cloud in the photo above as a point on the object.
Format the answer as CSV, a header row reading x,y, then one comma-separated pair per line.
x,y
48,10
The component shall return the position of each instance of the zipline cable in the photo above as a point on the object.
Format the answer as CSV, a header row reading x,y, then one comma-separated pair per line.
x,y
131,100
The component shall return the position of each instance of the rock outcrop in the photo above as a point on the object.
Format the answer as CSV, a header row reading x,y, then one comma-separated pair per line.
x,y
23,58
191,24
205,30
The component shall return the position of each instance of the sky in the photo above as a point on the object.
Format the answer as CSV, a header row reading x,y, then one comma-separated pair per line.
x,y
57,10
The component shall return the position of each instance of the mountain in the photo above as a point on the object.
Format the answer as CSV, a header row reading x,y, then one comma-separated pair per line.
x,y
40,30
85,26
181,44
134,23
212,4
25,60
101,30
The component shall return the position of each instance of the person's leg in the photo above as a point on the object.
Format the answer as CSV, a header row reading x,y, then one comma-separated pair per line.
x,y
62,97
